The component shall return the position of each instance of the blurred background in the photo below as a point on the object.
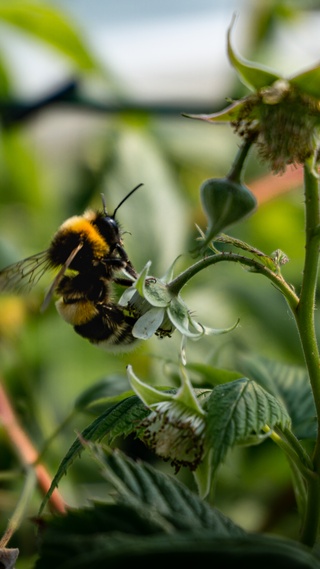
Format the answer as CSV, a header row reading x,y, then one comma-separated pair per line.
x,y
91,101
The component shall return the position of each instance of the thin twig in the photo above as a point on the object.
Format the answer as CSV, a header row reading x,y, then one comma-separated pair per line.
x,y
25,450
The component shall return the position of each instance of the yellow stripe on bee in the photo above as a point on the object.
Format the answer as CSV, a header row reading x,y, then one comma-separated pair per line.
x,y
81,225
76,313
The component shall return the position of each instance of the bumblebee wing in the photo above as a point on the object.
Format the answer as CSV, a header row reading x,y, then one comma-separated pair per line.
x,y
22,276
59,277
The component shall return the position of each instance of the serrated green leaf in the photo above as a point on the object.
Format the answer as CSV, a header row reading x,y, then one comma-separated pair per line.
x,y
252,75
255,368
146,488
295,390
157,519
238,410
291,383
50,25
148,503
120,419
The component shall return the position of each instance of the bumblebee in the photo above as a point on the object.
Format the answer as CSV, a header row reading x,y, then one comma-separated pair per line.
x,y
88,253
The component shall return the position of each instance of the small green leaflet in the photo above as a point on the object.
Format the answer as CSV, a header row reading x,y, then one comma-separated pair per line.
x,y
237,413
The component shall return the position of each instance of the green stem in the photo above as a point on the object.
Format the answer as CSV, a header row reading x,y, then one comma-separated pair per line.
x,y
305,479
21,506
304,315
305,310
179,282
237,167
309,530
288,442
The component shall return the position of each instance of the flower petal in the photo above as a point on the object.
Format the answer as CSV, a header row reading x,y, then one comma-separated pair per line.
x,y
127,296
179,315
156,292
148,324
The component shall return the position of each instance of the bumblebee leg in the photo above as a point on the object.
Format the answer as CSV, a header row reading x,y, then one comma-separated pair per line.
x,y
123,281
120,263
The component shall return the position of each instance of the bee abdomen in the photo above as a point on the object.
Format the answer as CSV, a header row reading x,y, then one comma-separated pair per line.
x,y
111,327
77,312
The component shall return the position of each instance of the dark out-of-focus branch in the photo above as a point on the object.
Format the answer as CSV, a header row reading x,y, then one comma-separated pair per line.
x,y
17,111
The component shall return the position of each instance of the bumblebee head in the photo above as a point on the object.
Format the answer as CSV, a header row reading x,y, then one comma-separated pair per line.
x,y
107,224
109,229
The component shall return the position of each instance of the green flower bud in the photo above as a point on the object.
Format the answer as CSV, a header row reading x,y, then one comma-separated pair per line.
x,y
224,202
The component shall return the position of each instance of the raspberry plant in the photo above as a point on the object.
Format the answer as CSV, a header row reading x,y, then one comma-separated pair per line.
x,y
150,515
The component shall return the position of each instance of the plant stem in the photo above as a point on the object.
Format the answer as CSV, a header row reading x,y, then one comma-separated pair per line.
x,y
305,310
294,451
17,516
25,450
304,315
181,280
237,167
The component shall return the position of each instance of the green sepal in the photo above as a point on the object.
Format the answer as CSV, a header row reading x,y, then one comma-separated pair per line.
x,y
253,76
148,394
308,82
229,114
186,394
139,284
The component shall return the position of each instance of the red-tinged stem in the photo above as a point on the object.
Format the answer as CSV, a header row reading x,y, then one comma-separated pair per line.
x,y
25,450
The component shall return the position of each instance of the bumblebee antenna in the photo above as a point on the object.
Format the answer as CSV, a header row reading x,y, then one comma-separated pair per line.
x,y
104,204
124,199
